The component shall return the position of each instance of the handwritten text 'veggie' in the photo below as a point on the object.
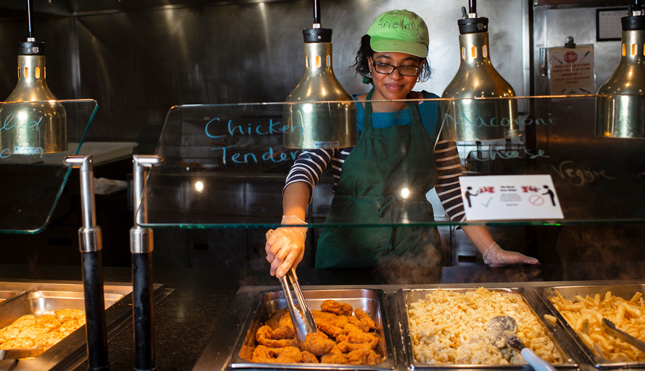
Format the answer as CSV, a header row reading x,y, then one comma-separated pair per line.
x,y
567,170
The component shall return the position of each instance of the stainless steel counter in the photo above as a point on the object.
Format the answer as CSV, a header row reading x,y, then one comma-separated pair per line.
x,y
220,352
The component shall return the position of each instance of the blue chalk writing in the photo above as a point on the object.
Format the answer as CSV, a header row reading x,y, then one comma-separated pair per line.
x,y
10,122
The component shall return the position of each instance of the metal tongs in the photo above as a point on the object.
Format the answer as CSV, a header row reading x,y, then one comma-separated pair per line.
x,y
303,321
616,332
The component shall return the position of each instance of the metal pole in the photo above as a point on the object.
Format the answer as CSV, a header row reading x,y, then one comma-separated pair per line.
x,y
91,246
141,247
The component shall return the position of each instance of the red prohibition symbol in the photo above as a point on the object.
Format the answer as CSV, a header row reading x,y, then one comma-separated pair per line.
x,y
536,200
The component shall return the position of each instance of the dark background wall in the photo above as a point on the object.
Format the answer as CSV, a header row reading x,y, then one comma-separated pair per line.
x,y
138,58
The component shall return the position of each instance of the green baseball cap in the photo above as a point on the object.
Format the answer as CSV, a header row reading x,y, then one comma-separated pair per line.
x,y
400,31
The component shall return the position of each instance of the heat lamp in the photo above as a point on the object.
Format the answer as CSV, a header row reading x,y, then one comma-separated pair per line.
x,y
33,122
470,116
620,102
319,112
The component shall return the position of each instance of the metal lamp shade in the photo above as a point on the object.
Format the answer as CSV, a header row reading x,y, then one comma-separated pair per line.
x,y
32,121
620,104
468,118
319,112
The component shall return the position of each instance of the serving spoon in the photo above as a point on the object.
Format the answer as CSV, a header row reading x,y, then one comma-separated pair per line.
x,y
502,329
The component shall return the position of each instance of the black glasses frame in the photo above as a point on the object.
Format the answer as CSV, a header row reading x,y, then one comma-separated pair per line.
x,y
394,68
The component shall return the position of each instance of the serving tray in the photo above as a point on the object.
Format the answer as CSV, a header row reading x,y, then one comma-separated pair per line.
x,y
409,296
569,292
371,301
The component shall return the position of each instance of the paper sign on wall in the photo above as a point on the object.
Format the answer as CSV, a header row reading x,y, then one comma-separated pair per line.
x,y
571,70
503,197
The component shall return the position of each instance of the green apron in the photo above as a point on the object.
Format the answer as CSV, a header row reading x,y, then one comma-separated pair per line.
x,y
383,162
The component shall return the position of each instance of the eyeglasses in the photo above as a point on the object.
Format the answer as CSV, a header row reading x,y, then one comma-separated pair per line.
x,y
387,69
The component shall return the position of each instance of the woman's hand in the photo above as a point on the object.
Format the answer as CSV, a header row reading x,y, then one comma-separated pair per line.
x,y
495,256
285,246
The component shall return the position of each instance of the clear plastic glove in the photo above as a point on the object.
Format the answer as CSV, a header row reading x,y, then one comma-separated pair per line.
x,y
495,256
285,246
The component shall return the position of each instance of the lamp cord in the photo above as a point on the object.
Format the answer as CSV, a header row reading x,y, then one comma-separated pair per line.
x,y
29,13
316,12
472,4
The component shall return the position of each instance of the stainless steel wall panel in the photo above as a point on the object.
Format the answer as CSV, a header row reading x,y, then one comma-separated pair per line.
x,y
551,28
139,59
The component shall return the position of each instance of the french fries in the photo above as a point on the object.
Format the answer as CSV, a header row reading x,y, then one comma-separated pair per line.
x,y
585,314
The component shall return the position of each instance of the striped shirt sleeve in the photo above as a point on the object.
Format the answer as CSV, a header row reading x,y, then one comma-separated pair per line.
x,y
309,167
449,170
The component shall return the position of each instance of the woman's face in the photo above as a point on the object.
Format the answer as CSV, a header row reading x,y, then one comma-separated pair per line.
x,y
394,85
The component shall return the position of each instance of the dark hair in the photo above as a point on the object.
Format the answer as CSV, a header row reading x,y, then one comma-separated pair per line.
x,y
361,63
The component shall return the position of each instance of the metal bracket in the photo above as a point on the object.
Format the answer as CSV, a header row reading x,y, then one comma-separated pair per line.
x,y
141,240
89,234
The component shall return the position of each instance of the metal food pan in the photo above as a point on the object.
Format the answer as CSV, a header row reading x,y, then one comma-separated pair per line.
x,y
569,292
42,302
371,301
8,294
39,298
409,296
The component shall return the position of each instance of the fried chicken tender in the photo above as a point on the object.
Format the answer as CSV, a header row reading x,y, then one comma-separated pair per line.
x,y
285,320
261,354
330,318
363,356
8,333
285,328
343,338
16,327
280,323
30,332
264,336
337,358
318,344
331,330
309,357
274,320
345,347
42,325
356,322
288,354
284,332
356,336
365,319
70,326
332,306
49,339
19,343
335,350
24,321
329,323
65,315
